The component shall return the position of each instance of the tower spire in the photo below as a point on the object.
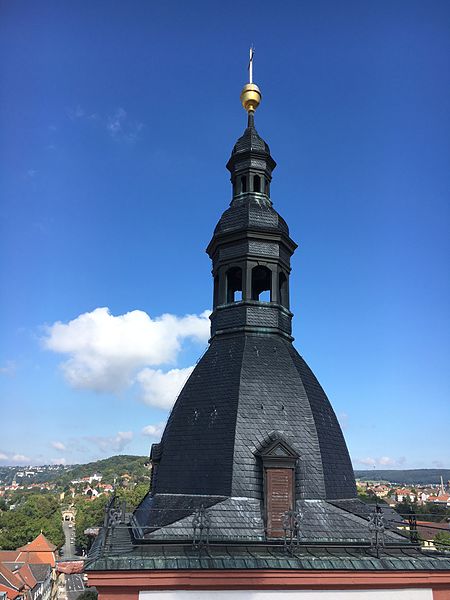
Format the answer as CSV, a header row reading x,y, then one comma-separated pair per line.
x,y
251,94
250,65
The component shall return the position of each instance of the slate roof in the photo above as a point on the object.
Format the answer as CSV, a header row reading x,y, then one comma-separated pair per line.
x,y
245,389
240,519
250,141
247,212
118,552
40,572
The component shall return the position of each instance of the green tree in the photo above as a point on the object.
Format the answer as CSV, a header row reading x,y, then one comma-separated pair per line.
x,y
34,513
90,513
442,541
88,595
133,496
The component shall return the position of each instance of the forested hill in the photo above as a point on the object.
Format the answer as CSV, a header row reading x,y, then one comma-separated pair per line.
x,y
109,468
407,477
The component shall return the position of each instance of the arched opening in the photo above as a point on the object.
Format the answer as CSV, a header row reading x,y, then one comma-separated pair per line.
x,y
261,284
243,184
234,284
283,290
256,183
216,291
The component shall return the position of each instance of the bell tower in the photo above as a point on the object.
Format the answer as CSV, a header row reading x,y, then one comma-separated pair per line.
x,y
251,248
252,421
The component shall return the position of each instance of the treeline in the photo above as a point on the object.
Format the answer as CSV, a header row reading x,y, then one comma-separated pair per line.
x,y
32,514
405,477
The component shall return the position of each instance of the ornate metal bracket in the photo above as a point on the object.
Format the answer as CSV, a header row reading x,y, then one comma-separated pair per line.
x,y
114,515
291,528
201,524
377,528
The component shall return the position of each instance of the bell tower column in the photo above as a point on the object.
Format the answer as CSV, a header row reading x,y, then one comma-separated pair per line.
x,y
251,248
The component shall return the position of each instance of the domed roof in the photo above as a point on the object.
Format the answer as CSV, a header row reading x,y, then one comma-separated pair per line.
x,y
250,141
248,389
251,213
251,150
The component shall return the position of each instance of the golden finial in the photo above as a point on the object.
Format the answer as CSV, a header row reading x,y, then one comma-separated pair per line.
x,y
250,95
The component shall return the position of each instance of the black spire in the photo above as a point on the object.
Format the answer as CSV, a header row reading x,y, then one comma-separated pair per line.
x,y
252,414
251,247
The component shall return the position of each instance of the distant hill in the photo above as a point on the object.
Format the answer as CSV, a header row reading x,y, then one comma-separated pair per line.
x,y
136,467
407,477
109,468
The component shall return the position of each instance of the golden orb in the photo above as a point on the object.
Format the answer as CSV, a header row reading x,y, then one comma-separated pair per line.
x,y
250,97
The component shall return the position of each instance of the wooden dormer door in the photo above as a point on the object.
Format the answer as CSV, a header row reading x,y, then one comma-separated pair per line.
x,y
279,498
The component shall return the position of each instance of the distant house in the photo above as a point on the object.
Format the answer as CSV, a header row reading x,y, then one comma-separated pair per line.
x,y
26,573
10,584
38,551
106,487
405,494
441,499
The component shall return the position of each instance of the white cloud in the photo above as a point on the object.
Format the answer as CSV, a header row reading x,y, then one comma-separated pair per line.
x,y
369,461
58,445
161,389
154,431
106,351
20,458
58,461
3,456
114,443
387,461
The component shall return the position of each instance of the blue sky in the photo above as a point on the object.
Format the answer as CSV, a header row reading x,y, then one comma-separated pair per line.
x,y
117,120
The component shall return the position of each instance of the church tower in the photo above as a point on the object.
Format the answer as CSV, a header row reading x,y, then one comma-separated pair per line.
x,y
252,421
252,485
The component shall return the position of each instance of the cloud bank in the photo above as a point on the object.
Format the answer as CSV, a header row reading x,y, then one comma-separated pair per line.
x,y
382,461
108,353
15,458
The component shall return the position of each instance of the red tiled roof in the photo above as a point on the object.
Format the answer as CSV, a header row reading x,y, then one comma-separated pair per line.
x,y
27,576
8,555
10,577
39,544
39,558
11,593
